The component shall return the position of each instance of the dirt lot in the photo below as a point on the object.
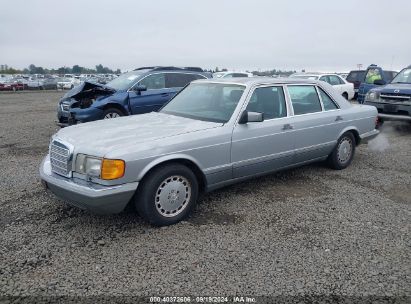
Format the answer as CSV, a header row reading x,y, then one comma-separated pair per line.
x,y
307,231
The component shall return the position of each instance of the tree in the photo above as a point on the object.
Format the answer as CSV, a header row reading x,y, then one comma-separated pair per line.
x,y
77,69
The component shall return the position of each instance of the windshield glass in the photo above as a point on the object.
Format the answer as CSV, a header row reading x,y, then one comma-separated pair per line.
x,y
213,102
124,81
403,77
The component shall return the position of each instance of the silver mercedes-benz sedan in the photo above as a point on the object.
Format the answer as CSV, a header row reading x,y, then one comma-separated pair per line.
x,y
212,134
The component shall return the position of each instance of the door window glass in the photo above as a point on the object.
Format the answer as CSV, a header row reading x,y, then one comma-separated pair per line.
x,y
179,80
268,100
327,101
154,82
334,80
304,99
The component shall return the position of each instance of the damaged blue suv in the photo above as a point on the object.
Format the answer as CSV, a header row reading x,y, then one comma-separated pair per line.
x,y
140,91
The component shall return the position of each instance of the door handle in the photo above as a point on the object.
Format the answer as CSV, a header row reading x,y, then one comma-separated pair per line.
x,y
338,118
164,94
287,127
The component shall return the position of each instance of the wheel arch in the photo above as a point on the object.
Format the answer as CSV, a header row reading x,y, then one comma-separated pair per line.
x,y
354,131
115,106
182,159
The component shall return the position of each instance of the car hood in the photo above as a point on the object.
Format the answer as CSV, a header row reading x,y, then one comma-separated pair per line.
x,y
102,136
403,88
83,88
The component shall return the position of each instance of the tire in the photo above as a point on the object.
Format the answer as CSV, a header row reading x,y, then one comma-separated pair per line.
x,y
152,201
343,153
345,95
112,113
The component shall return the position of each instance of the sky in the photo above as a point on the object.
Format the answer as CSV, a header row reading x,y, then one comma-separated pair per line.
x,y
314,35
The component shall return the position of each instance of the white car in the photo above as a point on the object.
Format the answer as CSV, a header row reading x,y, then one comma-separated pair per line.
x,y
67,83
345,88
231,74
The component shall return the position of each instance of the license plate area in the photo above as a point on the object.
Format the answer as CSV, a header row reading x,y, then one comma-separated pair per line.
x,y
390,108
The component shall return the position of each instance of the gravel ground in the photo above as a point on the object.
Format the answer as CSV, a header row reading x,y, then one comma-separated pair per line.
x,y
308,231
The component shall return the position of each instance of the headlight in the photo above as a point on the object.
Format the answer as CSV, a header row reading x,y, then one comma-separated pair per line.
x,y
88,165
107,169
372,96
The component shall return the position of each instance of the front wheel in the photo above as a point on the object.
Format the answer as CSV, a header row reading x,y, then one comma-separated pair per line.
x,y
112,113
167,195
343,153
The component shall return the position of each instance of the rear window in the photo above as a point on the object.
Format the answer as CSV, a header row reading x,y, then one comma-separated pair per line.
x,y
304,99
356,76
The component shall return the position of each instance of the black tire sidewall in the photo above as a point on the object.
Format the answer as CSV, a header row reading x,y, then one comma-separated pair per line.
x,y
333,158
145,201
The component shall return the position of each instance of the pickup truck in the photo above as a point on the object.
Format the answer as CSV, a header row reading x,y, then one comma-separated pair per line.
x,y
374,76
393,101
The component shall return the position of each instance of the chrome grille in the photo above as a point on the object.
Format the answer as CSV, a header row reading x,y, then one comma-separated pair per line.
x,y
60,158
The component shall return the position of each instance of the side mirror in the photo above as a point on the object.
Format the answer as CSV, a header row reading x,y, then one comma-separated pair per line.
x,y
247,116
379,82
139,88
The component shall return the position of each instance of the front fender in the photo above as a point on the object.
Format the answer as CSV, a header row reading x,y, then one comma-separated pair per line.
x,y
167,158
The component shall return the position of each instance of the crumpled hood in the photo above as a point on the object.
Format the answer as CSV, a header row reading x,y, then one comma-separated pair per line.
x,y
102,136
403,88
86,87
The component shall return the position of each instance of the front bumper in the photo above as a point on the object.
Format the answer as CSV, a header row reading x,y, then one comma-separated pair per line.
x,y
365,137
89,196
392,111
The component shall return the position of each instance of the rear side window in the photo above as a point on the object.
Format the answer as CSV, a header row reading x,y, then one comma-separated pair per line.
x,y
356,76
268,100
154,81
179,80
304,99
335,80
327,101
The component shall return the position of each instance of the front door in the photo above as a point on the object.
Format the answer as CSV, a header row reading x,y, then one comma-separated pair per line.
x,y
259,147
153,98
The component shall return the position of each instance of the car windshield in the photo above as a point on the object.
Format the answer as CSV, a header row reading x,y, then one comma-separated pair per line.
x,y
403,77
124,81
213,102
218,74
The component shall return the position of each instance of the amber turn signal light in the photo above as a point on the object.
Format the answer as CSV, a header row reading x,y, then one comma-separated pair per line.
x,y
112,169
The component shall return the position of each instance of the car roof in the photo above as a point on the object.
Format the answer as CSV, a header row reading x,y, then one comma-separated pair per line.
x,y
257,80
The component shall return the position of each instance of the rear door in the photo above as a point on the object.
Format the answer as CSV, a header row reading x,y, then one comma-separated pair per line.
x,y
259,147
312,127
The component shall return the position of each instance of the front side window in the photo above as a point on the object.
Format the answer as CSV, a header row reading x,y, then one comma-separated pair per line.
x,y
372,75
179,80
268,100
327,101
154,81
213,102
304,99
325,79
240,75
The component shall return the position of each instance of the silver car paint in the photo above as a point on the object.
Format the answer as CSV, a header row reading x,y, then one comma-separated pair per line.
x,y
223,152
